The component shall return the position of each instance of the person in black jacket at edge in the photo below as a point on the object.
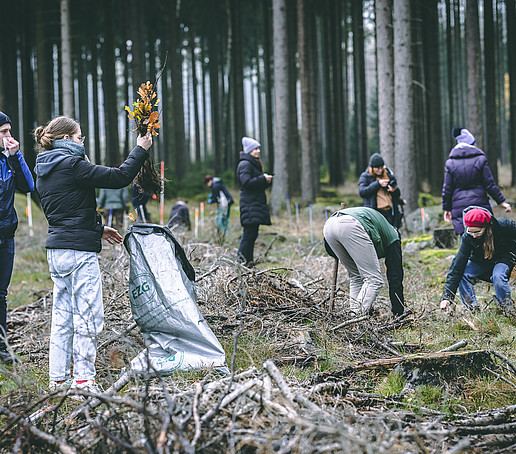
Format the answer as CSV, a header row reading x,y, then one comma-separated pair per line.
x,y
487,252
66,182
253,203
14,175
379,190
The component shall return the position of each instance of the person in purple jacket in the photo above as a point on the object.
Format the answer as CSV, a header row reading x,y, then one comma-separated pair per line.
x,y
467,180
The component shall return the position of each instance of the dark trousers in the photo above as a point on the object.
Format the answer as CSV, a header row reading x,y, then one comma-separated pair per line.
x,y
246,248
394,264
387,214
6,270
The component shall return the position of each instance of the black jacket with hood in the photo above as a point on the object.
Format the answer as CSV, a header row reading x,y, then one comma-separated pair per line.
x,y
252,182
504,236
66,185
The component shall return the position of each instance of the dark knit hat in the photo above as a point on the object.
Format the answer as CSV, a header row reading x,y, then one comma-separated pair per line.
x,y
376,161
4,119
477,217
456,131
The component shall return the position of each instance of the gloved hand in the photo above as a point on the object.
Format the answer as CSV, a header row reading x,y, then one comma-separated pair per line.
x,y
210,199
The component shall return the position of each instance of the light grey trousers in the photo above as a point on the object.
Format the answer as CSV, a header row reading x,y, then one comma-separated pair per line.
x,y
355,250
77,313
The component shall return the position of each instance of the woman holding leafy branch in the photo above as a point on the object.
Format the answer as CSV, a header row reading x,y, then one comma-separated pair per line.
x,y
66,183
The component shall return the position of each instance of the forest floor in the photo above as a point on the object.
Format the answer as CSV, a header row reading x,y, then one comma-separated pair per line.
x,y
304,378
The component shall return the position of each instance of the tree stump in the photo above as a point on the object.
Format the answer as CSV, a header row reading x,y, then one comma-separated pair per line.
x,y
445,238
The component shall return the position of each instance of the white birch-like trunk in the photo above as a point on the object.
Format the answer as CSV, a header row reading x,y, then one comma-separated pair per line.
x,y
403,104
66,60
385,75
280,181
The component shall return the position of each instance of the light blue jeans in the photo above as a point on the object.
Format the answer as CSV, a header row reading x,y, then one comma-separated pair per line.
x,y
77,313
498,274
223,218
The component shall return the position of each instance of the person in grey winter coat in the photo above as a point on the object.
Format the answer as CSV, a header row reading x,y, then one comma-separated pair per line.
x,y
66,183
253,203
468,180
115,203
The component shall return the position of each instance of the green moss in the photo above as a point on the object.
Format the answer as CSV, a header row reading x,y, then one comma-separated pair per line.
x,y
392,384
428,255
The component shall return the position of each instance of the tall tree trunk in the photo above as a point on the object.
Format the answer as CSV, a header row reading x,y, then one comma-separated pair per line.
x,y
109,90
511,53
403,103
313,122
491,142
95,86
268,83
138,39
197,128
450,62
66,59
474,93
28,98
237,79
307,189
459,54
178,115
82,76
385,75
213,68
360,85
281,84
44,62
433,94
293,156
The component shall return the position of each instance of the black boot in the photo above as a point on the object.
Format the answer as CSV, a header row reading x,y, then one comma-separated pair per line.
x,y
5,356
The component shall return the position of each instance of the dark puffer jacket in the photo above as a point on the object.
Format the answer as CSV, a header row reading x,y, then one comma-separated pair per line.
x,y
66,185
504,235
368,187
14,174
468,181
252,182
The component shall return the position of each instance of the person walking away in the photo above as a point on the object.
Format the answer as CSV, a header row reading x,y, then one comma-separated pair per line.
x,y
139,199
115,203
468,180
487,252
379,190
14,175
253,202
359,237
179,216
66,183
222,197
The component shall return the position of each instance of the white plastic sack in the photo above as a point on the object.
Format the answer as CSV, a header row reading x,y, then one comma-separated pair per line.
x,y
163,303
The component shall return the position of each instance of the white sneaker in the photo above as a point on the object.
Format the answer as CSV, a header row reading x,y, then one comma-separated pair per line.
x,y
88,386
54,386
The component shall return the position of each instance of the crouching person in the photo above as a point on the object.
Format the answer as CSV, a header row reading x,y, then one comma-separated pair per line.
x,y
358,237
487,252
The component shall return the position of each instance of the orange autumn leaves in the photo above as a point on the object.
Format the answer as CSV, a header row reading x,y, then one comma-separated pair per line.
x,y
145,118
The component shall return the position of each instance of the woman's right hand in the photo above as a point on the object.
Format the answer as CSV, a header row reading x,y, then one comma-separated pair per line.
x,y
145,141
447,216
268,177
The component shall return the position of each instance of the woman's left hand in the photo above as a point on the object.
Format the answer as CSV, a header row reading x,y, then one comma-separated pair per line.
x,y
111,235
506,206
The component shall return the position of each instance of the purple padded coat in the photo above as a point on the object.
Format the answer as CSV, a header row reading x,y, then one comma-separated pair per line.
x,y
468,181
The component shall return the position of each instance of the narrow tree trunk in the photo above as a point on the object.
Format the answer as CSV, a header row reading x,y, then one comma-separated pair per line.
x,y
385,76
95,84
474,93
197,128
491,142
307,190
237,80
268,83
360,86
511,53
44,62
403,103
109,90
281,84
450,64
213,68
433,94
178,117
66,59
